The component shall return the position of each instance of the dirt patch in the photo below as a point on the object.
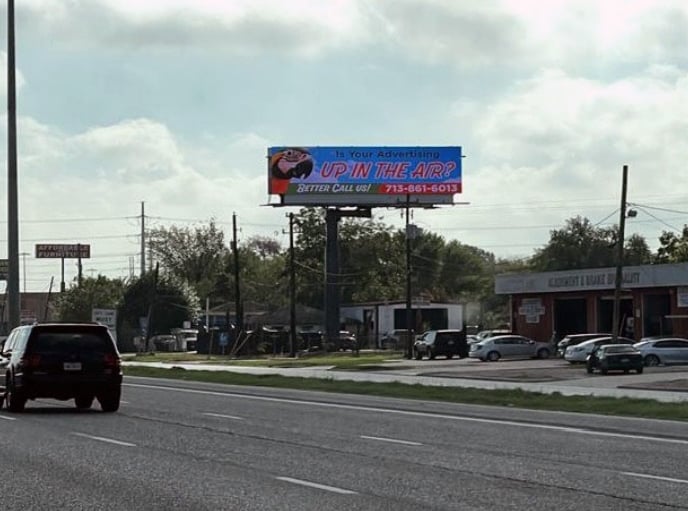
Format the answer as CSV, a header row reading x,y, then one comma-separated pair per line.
x,y
671,385
544,375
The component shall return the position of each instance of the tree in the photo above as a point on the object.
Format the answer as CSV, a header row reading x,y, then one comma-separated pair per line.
x,y
637,251
673,248
194,255
466,272
100,292
164,300
580,244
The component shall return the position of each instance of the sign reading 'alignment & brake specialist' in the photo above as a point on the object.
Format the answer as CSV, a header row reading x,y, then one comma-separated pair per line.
x,y
73,251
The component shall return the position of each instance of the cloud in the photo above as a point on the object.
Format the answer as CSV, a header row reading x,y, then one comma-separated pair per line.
x,y
19,78
305,27
440,31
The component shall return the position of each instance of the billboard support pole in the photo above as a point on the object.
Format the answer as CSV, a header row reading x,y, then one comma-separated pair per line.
x,y
292,289
409,312
331,277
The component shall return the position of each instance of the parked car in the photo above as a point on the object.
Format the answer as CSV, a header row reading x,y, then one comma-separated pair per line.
x,y
486,334
472,338
441,342
394,339
578,354
509,346
664,350
62,361
347,341
573,340
615,357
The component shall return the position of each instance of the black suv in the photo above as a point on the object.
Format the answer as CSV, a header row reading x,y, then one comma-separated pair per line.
x,y
62,361
441,342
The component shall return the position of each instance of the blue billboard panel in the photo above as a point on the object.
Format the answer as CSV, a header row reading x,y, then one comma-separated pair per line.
x,y
324,171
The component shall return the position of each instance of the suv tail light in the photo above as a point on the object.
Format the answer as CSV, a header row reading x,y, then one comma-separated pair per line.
x,y
31,361
111,361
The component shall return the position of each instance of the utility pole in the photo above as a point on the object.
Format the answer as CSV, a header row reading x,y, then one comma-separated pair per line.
x,y
292,289
143,239
79,266
237,286
12,187
619,257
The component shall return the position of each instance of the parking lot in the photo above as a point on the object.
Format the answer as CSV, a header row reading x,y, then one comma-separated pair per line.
x,y
552,370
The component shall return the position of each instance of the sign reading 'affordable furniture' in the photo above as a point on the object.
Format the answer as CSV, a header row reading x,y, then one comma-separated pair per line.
x,y
74,251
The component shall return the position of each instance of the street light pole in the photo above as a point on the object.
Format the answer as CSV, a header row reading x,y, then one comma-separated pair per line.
x,y
12,195
619,257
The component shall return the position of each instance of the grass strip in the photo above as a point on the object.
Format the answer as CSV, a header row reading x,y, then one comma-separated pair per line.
x,y
628,407
336,360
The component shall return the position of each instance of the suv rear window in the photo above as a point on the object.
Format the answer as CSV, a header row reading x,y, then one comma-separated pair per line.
x,y
70,342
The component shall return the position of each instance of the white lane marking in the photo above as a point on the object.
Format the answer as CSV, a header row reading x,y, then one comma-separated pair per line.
x,y
566,429
222,416
390,440
103,439
8,418
301,482
660,478
123,402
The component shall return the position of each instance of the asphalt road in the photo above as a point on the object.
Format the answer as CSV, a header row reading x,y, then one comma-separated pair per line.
x,y
186,446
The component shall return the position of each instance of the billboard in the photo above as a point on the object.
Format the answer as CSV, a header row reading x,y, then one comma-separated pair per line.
x,y
364,175
74,251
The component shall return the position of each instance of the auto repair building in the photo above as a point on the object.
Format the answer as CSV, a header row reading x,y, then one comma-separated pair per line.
x,y
654,301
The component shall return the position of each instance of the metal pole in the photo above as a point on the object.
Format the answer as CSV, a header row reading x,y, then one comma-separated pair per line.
x,y
62,282
332,278
12,187
237,284
409,311
292,289
619,257
143,239
79,267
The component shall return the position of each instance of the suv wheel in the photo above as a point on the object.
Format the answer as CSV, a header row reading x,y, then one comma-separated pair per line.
x,y
418,355
15,400
84,401
109,400
431,354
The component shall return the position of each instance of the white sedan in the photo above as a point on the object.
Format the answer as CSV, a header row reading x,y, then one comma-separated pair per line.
x,y
579,353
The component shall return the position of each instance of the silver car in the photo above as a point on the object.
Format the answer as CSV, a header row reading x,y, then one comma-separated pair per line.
x,y
665,350
508,346
579,353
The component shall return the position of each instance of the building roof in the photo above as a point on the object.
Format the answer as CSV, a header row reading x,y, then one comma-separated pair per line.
x,y
650,275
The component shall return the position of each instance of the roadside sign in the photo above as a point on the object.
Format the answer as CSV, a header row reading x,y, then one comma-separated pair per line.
x,y
107,317
4,268
73,251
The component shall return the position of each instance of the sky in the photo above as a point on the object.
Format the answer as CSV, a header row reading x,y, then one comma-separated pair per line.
x,y
174,103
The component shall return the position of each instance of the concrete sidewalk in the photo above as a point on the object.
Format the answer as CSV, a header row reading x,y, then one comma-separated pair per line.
x,y
610,386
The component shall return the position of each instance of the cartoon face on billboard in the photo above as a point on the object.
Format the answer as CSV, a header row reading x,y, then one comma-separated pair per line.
x,y
289,163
